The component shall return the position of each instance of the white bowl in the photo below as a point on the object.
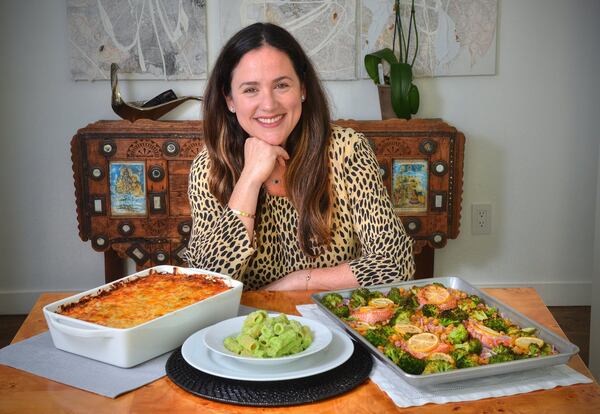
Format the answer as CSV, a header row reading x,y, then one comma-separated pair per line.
x,y
216,334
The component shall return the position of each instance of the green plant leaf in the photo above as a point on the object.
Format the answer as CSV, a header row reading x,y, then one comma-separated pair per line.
x,y
400,84
413,99
373,59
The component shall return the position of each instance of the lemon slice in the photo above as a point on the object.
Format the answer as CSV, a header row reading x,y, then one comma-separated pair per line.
x,y
435,294
423,342
381,302
487,331
442,356
405,328
525,341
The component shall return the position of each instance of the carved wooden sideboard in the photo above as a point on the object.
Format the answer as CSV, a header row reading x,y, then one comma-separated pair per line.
x,y
131,185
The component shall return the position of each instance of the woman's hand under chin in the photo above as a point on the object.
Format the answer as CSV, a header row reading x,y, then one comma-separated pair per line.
x,y
260,159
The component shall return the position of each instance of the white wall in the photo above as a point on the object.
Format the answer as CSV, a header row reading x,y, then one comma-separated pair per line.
x,y
595,317
532,150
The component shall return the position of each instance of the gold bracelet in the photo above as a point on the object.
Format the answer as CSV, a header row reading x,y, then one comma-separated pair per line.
x,y
242,213
308,276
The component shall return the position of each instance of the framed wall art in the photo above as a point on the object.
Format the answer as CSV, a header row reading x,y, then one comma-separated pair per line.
x,y
128,189
162,40
409,185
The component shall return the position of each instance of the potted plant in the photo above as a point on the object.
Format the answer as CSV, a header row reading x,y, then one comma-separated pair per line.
x,y
397,88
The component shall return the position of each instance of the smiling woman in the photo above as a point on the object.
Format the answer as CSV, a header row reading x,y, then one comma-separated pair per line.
x,y
281,199
266,95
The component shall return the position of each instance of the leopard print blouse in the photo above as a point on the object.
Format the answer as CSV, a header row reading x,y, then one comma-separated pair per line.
x,y
366,232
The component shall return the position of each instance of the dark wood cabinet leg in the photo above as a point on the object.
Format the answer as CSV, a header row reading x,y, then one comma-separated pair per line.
x,y
114,266
424,263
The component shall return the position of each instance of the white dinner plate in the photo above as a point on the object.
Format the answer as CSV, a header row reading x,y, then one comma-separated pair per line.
x,y
195,353
216,334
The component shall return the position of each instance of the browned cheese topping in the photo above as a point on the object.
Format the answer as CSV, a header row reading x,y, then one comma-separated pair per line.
x,y
134,302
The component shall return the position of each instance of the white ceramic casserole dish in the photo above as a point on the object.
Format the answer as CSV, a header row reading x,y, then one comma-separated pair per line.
x,y
131,346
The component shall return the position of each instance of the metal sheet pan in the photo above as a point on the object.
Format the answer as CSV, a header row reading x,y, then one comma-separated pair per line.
x,y
565,349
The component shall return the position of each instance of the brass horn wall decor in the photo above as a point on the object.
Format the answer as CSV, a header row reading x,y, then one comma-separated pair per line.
x,y
151,109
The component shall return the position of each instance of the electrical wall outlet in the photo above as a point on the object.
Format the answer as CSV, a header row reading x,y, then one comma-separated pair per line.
x,y
481,218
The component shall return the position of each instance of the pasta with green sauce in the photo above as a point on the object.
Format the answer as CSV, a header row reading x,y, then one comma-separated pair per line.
x,y
263,336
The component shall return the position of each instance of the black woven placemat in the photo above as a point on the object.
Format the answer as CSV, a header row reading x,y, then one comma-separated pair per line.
x,y
327,384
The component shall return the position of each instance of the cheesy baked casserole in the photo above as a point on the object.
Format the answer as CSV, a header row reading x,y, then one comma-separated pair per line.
x,y
133,302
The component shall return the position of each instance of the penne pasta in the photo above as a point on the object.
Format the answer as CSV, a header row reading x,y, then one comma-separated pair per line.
x,y
266,337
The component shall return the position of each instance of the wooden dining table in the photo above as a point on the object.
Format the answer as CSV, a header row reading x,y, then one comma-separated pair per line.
x,y
22,392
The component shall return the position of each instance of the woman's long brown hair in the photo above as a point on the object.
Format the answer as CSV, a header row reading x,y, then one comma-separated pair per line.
x,y
307,175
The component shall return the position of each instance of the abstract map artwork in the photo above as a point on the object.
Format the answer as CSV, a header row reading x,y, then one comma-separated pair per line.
x,y
167,39
149,39
456,37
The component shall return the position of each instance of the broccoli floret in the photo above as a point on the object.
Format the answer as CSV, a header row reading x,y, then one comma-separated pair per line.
x,y
479,315
404,360
401,316
466,305
452,316
503,354
469,303
459,353
494,359
364,292
467,362
410,364
460,350
395,296
501,350
376,294
375,337
463,358
379,336
356,301
533,350
438,365
514,331
412,302
458,334
472,346
546,350
393,352
332,300
491,312
388,330
341,311
476,299
475,346
497,324
430,310
409,302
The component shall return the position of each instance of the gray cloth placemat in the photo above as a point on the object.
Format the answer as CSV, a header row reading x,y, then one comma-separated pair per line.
x,y
37,355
